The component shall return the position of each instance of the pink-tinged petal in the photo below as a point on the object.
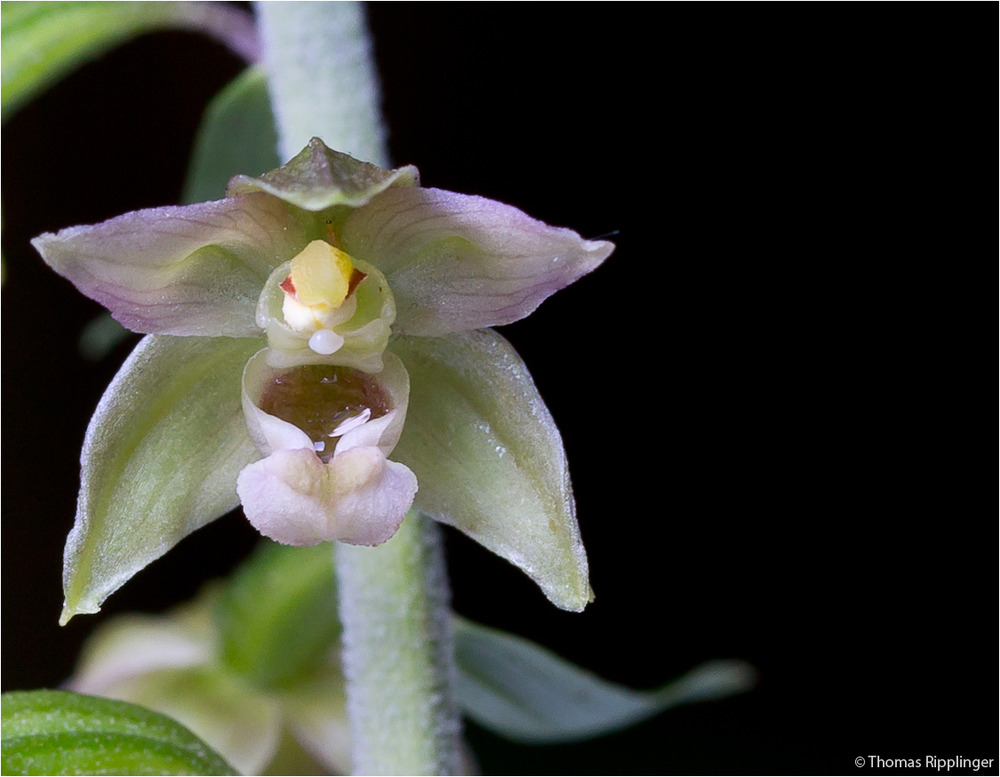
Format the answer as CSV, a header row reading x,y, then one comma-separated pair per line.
x,y
192,270
357,497
457,262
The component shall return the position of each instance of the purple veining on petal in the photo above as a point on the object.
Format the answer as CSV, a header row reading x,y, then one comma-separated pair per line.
x,y
192,270
458,262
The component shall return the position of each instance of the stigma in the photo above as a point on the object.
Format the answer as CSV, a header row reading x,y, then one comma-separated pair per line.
x,y
319,294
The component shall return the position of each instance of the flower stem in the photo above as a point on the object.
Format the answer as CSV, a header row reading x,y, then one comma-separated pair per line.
x,y
394,599
322,78
397,653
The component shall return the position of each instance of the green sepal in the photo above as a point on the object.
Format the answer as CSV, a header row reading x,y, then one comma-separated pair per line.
x,y
318,178
160,459
527,693
236,135
489,458
58,732
277,615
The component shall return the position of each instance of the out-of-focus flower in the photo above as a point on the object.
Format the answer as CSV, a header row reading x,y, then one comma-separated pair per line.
x,y
251,666
359,304
262,686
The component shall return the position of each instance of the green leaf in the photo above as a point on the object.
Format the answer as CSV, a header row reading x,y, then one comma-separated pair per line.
x,y
489,458
43,41
160,460
526,693
236,136
57,732
278,614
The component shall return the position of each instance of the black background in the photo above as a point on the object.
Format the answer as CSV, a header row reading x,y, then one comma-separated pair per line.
x,y
768,393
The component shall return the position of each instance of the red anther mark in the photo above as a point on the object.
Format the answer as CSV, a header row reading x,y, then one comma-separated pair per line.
x,y
287,286
356,277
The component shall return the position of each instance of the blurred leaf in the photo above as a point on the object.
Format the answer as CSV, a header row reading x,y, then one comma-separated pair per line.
x,y
160,460
236,135
100,336
57,732
43,41
278,614
526,693
278,617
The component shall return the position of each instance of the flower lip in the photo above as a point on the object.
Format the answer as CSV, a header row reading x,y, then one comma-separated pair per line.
x,y
325,402
348,491
278,418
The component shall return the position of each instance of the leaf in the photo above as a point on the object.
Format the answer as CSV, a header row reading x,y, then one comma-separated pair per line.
x,y
489,459
236,135
160,460
101,336
526,693
57,732
278,614
43,41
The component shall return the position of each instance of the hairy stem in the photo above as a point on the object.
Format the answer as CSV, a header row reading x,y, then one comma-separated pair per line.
x,y
394,599
323,79
398,653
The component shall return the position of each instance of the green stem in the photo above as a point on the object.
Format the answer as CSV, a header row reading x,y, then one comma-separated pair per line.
x,y
323,81
398,653
394,599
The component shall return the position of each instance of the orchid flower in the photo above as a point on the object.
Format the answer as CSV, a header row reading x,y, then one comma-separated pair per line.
x,y
319,350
